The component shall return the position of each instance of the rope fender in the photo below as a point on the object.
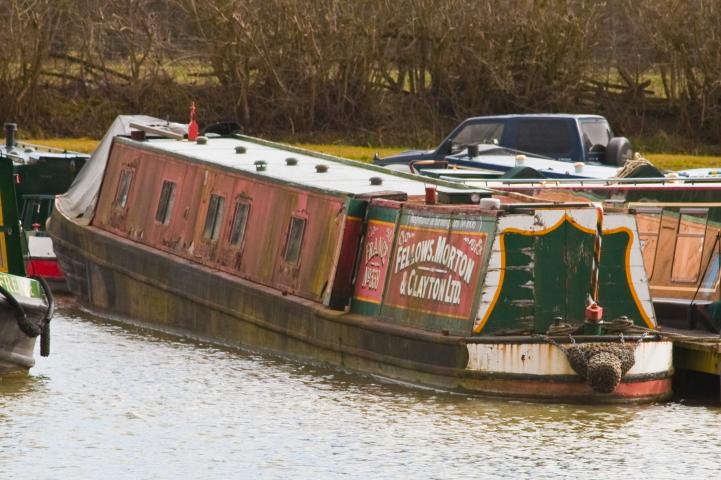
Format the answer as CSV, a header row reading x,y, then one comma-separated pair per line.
x,y
602,366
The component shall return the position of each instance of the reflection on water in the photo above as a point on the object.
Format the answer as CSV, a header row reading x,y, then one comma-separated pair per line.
x,y
121,402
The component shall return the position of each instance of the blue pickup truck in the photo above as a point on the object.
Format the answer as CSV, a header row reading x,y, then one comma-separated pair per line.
x,y
562,137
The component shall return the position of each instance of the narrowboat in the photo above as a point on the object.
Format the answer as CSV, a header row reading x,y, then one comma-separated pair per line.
x,y
248,243
40,173
26,304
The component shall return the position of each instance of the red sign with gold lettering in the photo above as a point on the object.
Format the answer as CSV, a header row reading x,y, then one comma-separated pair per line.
x,y
374,265
435,266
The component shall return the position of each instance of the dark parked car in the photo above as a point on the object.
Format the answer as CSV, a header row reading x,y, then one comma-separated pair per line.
x,y
565,137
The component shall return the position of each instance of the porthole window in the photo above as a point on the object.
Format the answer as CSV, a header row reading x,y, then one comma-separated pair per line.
x,y
295,239
240,219
214,219
121,195
165,204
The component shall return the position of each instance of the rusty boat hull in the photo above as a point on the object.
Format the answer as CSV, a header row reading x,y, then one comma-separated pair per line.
x,y
138,284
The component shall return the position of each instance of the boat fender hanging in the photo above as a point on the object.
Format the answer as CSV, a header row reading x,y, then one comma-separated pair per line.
x,y
602,366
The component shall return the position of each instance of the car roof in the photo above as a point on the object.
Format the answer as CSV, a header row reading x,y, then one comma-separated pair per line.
x,y
573,116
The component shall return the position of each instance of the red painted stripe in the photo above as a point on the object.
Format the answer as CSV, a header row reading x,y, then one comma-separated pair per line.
x,y
645,390
48,269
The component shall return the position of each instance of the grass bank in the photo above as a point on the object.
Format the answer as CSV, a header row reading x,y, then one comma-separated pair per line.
x,y
666,161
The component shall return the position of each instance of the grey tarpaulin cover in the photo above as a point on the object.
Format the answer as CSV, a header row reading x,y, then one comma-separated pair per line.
x,y
78,203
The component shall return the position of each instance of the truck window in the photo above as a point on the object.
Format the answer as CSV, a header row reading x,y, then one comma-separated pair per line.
x,y
544,136
476,133
595,132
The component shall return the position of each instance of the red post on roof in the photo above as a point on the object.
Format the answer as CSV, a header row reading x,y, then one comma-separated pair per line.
x,y
192,126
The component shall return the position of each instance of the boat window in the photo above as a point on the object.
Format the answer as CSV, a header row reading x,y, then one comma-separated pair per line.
x,y
121,195
214,219
477,133
295,239
35,210
595,132
711,279
240,219
689,245
544,136
165,205
649,224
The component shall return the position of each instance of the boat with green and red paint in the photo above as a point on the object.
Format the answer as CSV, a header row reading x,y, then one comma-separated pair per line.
x,y
26,304
249,243
40,173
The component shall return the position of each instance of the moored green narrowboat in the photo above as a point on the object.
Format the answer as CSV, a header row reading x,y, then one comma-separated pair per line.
x,y
39,173
26,304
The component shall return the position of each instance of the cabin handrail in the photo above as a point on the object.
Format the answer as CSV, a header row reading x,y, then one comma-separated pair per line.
x,y
588,181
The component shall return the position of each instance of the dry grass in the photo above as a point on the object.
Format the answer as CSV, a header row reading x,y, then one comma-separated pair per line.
x,y
364,154
665,161
671,161
84,145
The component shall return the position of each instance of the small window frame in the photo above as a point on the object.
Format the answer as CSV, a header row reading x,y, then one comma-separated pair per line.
x,y
166,202
122,191
214,218
238,227
294,240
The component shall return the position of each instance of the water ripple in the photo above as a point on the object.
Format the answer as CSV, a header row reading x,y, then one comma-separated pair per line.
x,y
121,402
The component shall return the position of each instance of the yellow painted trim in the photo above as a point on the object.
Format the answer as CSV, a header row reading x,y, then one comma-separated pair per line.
x,y
684,289
353,219
381,222
3,249
443,230
3,253
366,299
629,279
565,218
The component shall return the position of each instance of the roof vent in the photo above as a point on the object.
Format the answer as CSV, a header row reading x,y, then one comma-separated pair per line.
x,y
291,161
240,149
376,180
490,204
321,168
201,140
520,159
260,165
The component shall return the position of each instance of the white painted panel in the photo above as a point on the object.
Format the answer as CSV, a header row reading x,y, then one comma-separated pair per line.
x,y
40,247
547,359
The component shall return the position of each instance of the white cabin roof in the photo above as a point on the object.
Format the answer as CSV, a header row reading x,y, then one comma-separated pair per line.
x,y
346,176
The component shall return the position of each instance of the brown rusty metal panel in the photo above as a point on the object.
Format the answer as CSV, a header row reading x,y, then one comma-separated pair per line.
x,y
260,256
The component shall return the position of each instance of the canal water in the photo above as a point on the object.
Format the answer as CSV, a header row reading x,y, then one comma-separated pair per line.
x,y
122,402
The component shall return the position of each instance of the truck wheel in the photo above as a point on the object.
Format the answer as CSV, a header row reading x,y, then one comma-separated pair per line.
x,y
618,151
